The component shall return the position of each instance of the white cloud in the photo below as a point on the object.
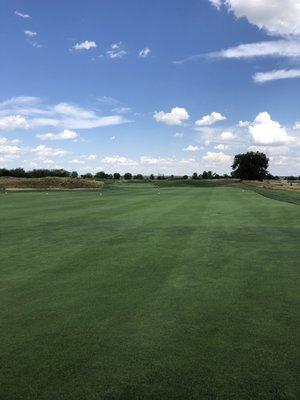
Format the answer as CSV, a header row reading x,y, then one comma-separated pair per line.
x,y
210,119
221,147
90,157
265,131
261,77
121,110
272,48
63,135
86,45
20,100
19,14
213,158
156,160
177,116
243,124
70,110
112,138
6,149
227,135
119,160
297,125
144,53
76,161
276,17
47,161
191,148
45,151
216,3
178,134
116,51
19,112
12,122
30,33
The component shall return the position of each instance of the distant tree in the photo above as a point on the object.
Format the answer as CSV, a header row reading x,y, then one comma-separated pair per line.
x,y
117,175
100,175
207,175
139,177
74,174
17,172
250,166
128,176
172,177
185,177
87,176
109,176
4,172
195,175
151,177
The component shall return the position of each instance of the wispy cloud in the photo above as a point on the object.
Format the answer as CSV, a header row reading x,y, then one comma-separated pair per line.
x,y
30,33
22,15
18,113
116,51
262,77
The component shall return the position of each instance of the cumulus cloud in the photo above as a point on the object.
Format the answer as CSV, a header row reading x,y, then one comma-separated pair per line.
x,y
216,3
45,151
12,122
119,160
265,131
86,45
177,116
191,148
213,158
7,149
22,15
221,147
178,134
243,124
30,33
66,134
274,16
261,77
144,53
116,51
210,119
227,135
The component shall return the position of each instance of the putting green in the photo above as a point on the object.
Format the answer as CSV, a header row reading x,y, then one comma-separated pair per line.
x,y
186,294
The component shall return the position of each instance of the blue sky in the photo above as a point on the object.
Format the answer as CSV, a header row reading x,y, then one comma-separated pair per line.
x,y
149,86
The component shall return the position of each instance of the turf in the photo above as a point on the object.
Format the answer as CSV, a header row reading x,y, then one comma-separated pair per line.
x,y
186,294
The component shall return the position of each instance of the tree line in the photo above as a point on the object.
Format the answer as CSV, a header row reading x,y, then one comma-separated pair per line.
x,y
247,166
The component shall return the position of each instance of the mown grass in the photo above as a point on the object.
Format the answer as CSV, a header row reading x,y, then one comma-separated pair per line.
x,y
149,293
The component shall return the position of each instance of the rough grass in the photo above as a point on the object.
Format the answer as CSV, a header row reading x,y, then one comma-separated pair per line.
x,y
187,294
48,183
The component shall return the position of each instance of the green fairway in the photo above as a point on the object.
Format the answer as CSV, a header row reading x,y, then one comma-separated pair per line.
x,y
149,293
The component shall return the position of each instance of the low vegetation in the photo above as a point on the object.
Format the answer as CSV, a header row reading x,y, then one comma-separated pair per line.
x,y
48,183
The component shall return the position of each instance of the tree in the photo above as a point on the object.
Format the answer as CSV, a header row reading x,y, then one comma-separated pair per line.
x,y
195,175
74,174
138,176
128,176
207,175
117,175
87,176
100,175
185,177
250,166
151,177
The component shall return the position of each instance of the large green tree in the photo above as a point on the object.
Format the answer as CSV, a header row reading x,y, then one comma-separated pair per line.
x,y
250,166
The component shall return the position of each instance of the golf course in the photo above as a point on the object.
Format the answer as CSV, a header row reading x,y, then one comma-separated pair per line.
x,y
140,291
